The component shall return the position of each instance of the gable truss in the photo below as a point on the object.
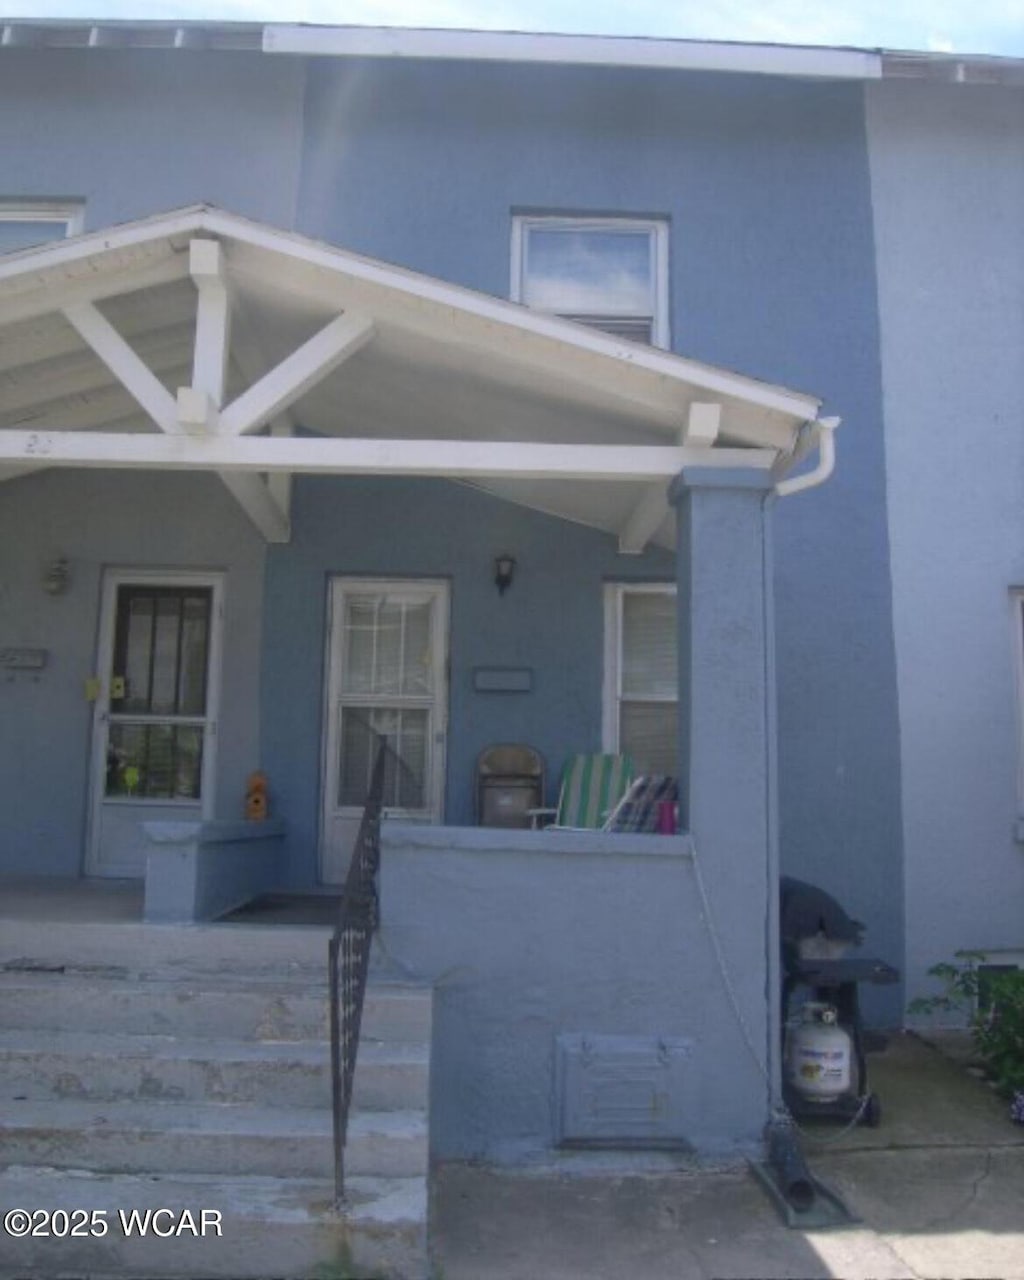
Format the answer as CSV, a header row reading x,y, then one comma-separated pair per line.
x,y
76,412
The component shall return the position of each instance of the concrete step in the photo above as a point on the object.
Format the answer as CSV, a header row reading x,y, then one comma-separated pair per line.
x,y
268,1227
163,1137
108,1067
223,1005
280,950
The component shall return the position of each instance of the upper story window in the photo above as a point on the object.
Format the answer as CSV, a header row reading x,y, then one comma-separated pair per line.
x,y
24,223
610,273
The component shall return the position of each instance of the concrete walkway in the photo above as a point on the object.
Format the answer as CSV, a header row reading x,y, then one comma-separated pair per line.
x,y
939,1188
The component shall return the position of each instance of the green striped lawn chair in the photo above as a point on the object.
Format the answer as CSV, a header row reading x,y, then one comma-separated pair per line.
x,y
592,786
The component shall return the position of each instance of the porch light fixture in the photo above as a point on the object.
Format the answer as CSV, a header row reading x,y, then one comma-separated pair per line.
x,y
57,576
504,571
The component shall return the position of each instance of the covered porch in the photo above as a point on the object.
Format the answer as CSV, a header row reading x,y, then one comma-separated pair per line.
x,y
241,427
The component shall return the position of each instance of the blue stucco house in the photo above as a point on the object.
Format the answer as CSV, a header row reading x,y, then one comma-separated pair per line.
x,y
301,329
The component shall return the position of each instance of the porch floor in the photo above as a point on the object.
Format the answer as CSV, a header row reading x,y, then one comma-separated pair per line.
x,y
59,900
53,898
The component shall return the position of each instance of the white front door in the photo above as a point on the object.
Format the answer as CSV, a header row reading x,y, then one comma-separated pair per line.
x,y
387,658
155,718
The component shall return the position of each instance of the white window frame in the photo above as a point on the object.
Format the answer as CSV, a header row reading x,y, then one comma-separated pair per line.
x,y
614,595
656,228
1017,635
69,212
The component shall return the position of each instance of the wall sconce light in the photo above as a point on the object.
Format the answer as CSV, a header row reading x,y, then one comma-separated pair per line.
x,y
57,576
504,571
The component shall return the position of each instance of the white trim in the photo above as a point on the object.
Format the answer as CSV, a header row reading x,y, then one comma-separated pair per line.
x,y
307,365
339,586
70,212
656,230
703,424
644,520
465,459
112,580
611,695
830,62
128,369
213,319
618,51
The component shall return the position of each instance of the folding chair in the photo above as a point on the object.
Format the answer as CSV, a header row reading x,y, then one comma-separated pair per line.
x,y
592,786
639,809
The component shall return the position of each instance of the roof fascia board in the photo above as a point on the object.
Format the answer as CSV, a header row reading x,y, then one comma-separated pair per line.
x,y
467,459
125,235
952,68
616,51
127,34
812,62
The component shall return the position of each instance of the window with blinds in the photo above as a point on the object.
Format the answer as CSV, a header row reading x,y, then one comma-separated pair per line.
x,y
641,676
609,273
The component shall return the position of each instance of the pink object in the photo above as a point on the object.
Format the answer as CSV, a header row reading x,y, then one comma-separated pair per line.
x,y
666,817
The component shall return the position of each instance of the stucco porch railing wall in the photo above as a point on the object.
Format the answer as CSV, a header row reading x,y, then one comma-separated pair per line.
x,y
529,936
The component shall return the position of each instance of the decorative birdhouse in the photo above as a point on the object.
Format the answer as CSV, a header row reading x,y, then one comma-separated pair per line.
x,y
256,797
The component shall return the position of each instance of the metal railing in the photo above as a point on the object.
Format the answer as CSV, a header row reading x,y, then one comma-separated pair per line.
x,y
349,962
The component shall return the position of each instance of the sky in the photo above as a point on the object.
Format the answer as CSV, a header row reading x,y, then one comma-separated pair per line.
x,y
955,26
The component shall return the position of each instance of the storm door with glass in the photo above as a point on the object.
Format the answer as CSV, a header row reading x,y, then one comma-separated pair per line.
x,y
387,660
155,724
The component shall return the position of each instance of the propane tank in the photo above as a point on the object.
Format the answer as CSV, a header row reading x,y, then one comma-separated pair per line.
x,y
818,1054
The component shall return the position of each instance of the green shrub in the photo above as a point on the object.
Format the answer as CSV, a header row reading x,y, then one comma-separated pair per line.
x,y
994,1004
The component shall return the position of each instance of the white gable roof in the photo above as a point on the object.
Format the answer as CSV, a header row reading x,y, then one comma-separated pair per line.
x,y
415,359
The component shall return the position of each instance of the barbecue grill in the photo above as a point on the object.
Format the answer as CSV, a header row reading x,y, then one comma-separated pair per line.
x,y
817,938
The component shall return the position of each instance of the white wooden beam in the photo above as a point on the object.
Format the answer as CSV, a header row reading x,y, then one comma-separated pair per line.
x,y
305,367
280,482
703,423
213,319
645,519
197,414
453,458
136,376
248,354
199,405
253,495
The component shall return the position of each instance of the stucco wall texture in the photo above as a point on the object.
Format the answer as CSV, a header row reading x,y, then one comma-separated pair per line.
x,y
584,936
765,185
766,188
108,520
549,622
947,167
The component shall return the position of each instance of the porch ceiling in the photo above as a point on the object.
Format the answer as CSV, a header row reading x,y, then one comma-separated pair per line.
x,y
197,329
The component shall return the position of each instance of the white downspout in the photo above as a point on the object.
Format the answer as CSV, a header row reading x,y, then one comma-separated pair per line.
x,y
824,430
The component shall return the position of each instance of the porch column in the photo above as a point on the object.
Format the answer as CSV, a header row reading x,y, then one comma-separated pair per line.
x,y
727,753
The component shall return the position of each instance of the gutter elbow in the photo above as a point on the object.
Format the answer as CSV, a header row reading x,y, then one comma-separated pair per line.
x,y
825,433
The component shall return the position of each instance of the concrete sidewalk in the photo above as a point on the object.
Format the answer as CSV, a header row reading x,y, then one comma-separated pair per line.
x,y
939,1188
